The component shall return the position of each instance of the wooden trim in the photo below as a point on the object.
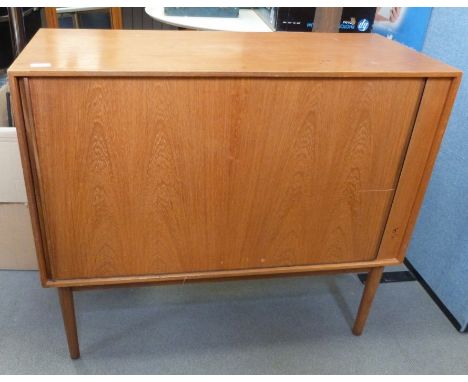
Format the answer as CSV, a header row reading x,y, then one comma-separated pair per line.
x,y
116,18
35,167
245,277
28,178
400,166
437,141
41,72
211,275
438,97
51,17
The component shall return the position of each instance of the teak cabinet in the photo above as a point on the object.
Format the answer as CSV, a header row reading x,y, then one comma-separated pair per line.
x,y
154,157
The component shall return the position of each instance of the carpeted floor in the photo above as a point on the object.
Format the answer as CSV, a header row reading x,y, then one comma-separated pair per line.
x,y
278,326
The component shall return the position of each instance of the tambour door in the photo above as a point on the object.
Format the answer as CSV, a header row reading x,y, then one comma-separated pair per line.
x,y
166,175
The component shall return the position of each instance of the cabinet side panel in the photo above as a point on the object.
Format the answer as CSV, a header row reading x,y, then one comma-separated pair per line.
x,y
165,176
21,108
436,104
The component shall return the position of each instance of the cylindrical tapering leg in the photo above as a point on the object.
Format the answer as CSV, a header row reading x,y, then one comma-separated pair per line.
x,y
372,283
69,320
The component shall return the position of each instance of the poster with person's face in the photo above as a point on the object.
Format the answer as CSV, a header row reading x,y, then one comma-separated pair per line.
x,y
407,25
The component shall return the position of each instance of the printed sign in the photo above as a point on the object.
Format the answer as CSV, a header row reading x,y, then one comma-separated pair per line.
x,y
407,25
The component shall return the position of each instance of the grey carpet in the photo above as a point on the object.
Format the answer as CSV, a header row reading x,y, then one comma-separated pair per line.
x,y
279,326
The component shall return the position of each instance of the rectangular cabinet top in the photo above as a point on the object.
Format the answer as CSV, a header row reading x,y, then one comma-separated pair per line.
x,y
63,52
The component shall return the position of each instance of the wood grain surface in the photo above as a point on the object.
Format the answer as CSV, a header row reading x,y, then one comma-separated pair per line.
x,y
51,17
370,289
237,274
327,19
159,176
434,110
67,306
62,52
20,115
